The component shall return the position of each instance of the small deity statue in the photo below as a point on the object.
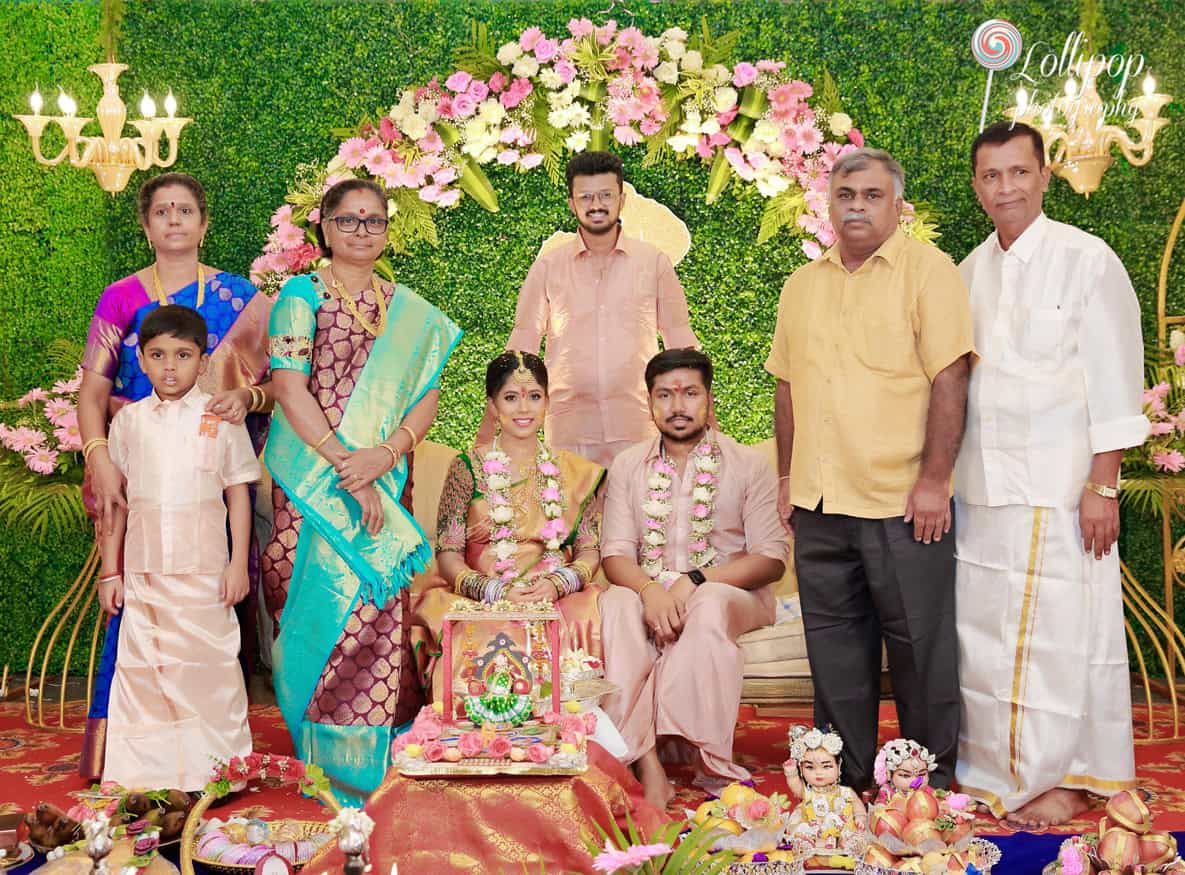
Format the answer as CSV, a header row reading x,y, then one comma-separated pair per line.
x,y
505,700
901,766
830,820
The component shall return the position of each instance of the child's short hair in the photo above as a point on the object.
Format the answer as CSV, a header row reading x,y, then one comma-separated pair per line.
x,y
175,320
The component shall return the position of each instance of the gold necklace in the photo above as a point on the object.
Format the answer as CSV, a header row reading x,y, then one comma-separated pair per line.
x,y
163,298
351,307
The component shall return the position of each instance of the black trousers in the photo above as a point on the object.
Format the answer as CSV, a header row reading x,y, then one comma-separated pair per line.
x,y
862,581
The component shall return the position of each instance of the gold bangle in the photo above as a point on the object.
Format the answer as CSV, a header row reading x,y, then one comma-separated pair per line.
x,y
394,455
92,445
1101,489
258,399
583,571
459,582
321,442
414,440
646,585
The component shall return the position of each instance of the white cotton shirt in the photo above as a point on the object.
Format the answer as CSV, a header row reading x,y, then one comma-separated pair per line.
x,y
1061,369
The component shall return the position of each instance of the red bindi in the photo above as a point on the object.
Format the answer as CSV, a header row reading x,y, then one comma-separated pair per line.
x,y
362,212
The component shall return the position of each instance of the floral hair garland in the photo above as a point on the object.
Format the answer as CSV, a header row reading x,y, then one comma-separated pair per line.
x,y
803,740
705,458
496,468
896,752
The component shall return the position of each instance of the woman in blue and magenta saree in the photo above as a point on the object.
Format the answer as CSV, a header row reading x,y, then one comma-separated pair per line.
x,y
173,214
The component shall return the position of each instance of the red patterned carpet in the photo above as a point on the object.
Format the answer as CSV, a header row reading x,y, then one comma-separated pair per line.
x,y
38,765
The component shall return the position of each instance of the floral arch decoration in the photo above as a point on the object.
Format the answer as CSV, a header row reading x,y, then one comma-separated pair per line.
x,y
528,103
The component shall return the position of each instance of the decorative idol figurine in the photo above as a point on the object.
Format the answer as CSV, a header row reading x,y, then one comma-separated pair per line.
x,y
830,820
901,766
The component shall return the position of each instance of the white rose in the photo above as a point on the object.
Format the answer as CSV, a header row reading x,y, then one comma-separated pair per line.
x,y
655,538
701,493
709,464
503,513
551,79
475,131
682,142
840,123
427,111
491,112
553,510
509,53
718,74
577,141
659,510
1176,337
692,62
765,131
525,67
711,126
505,549
771,184
676,34
498,481
336,163
676,49
405,107
415,127
667,72
724,98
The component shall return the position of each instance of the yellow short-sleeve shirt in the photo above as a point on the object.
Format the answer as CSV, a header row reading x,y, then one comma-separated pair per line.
x,y
860,351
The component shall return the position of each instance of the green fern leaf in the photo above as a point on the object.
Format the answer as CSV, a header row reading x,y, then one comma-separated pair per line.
x,y
781,210
479,56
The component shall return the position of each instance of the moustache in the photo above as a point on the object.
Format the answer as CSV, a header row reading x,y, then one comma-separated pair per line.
x,y
853,216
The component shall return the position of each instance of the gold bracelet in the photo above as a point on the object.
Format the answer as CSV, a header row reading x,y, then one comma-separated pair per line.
x,y
557,583
1104,491
258,399
92,445
647,584
583,571
394,455
321,442
459,582
414,440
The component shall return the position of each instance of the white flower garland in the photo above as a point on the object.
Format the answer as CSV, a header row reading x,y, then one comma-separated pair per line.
x,y
496,466
705,459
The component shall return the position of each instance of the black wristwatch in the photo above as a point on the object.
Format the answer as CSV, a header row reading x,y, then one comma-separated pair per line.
x,y
696,576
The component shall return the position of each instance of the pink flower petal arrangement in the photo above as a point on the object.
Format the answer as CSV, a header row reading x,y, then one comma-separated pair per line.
x,y
540,96
42,437
1150,471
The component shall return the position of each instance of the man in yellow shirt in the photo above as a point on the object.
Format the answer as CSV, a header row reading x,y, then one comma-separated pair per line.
x,y
872,352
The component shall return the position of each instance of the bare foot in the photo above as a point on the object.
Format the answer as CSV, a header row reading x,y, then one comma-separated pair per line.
x,y
1052,808
657,787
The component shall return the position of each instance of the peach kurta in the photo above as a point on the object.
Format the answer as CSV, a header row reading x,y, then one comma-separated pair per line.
x,y
177,698
602,321
691,689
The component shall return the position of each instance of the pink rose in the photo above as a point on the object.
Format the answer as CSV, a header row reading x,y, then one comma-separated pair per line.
x,y
470,744
415,735
464,105
429,724
572,723
744,74
498,82
545,50
499,748
434,751
565,69
388,133
758,809
508,156
539,753
458,82
856,138
399,744
580,28
530,161
606,32
551,718
478,90
530,38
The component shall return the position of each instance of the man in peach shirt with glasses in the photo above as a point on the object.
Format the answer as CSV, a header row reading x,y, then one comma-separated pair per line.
x,y
601,300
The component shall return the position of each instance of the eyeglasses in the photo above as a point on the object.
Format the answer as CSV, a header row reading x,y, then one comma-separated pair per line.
x,y
605,197
349,224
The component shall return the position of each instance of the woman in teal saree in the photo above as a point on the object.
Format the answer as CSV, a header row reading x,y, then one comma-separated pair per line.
x,y
356,365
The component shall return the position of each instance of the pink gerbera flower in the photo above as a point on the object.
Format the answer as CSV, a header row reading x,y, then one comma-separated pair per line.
x,y
613,860
56,409
32,395
1169,460
353,152
23,439
43,459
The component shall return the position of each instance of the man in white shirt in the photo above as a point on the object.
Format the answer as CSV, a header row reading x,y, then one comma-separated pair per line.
x,y
1055,400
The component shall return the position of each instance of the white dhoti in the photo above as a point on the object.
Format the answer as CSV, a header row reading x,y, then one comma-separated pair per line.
x,y
1042,658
